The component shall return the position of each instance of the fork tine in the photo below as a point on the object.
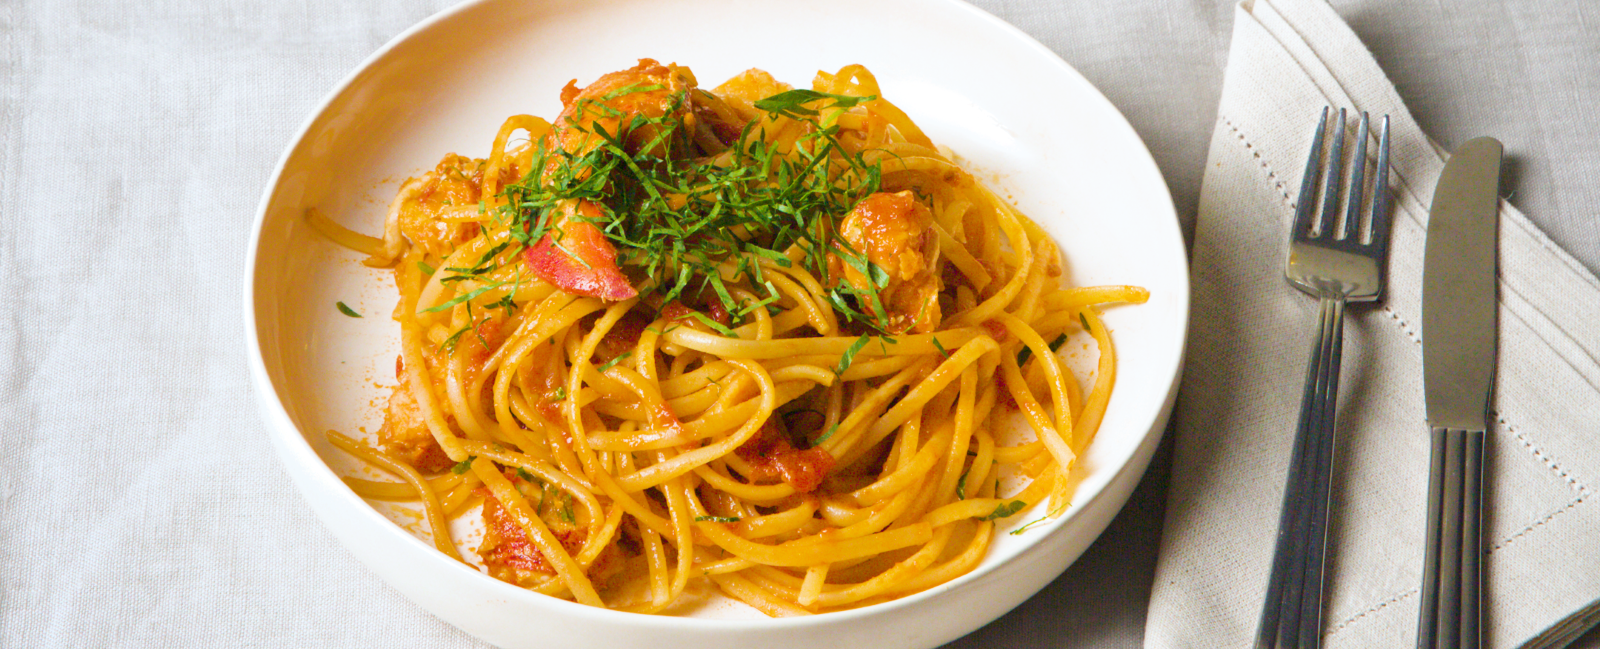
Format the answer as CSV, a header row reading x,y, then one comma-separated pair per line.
x,y
1330,196
1308,184
1358,169
1380,194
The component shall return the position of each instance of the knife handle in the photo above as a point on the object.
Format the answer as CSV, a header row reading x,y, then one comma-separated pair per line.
x,y
1472,543
1452,579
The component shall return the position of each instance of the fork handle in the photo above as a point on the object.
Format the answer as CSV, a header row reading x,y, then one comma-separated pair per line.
x,y
1452,574
1291,617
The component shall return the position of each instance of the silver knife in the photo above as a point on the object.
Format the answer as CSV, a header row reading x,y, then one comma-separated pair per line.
x,y
1459,331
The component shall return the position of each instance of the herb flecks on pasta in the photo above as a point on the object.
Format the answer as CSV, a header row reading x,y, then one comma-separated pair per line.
x,y
757,338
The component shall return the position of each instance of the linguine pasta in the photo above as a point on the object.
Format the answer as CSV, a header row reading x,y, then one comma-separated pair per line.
x,y
756,338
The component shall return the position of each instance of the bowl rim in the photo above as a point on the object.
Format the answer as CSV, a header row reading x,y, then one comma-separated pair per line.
x,y
291,442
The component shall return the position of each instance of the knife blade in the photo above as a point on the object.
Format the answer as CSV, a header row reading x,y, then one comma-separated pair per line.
x,y
1459,330
1458,288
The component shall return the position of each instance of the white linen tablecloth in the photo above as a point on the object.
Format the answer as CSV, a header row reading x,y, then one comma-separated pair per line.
x,y
140,504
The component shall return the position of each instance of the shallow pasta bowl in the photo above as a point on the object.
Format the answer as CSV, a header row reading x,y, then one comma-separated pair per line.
x,y
1015,114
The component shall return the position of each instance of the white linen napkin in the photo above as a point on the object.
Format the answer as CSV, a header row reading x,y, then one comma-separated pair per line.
x,y
1247,357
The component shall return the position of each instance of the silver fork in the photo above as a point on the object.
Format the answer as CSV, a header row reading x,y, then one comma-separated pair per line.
x,y
1330,262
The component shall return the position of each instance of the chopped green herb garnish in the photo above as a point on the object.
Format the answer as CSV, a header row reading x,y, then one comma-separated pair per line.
x,y
793,102
477,329
523,473
702,219
425,268
849,355
775,256
1026,353
561,393
831,430
716,519
668,330
566,512
346,310
717,326
937,345
449,344
1005,509
463,466
1083,319
1029,524
464,297
612,363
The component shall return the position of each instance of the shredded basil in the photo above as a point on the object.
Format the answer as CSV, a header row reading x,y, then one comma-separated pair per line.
x,y
1005,509
849,355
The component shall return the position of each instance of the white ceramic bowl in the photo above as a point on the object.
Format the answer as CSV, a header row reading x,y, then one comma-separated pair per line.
x,y
1013,111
